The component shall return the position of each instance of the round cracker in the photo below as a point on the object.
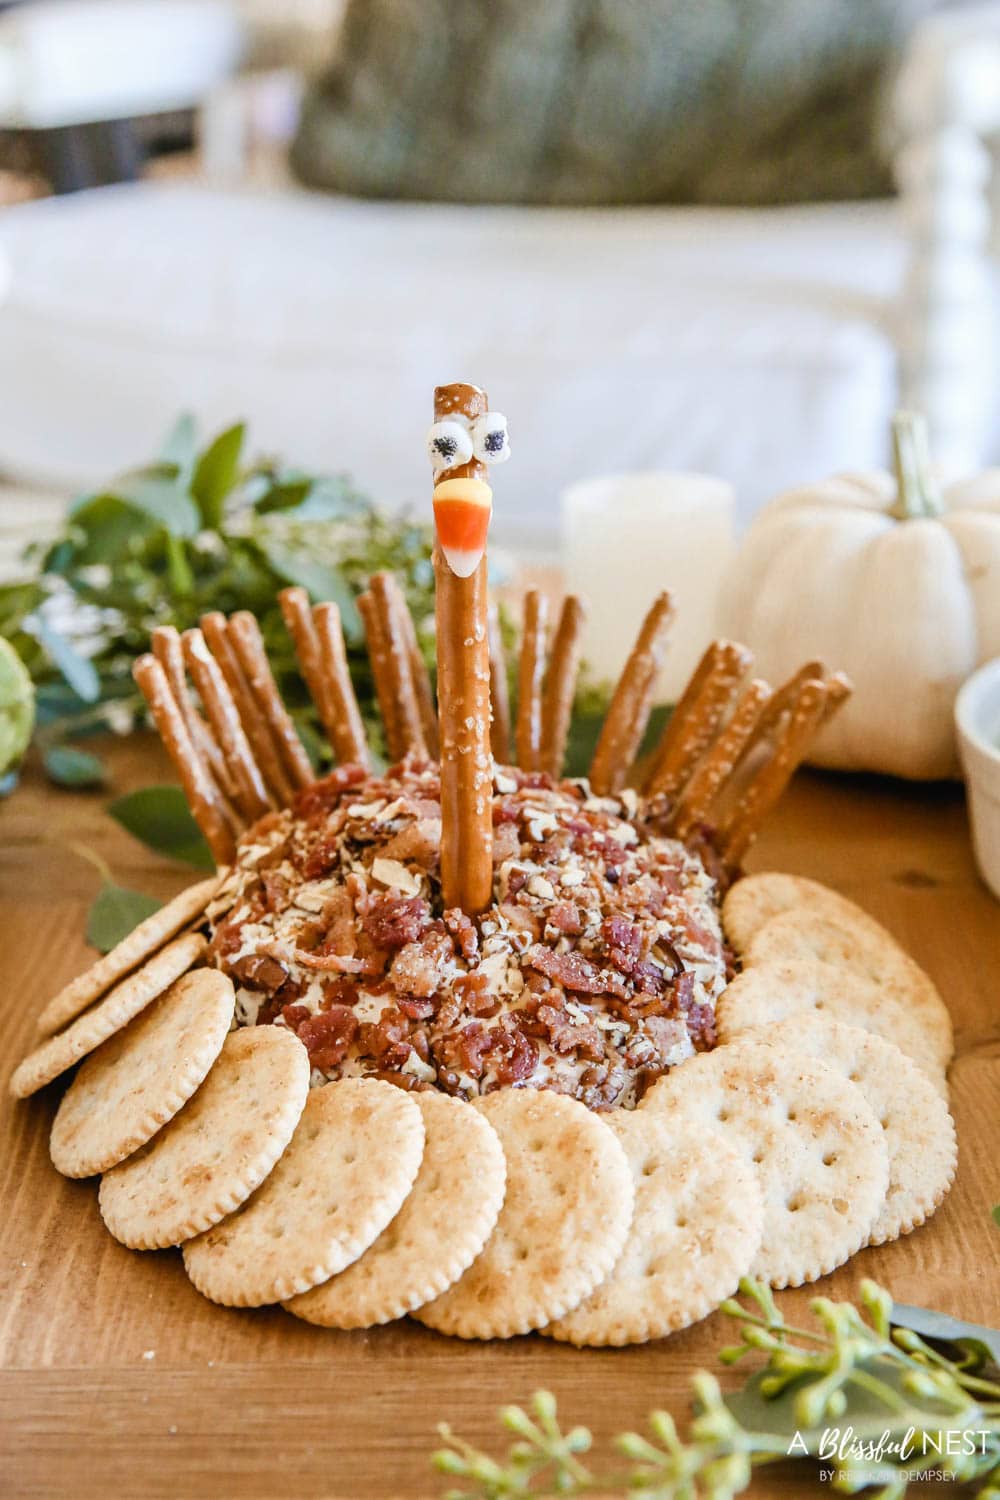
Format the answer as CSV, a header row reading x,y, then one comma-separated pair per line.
x,y
562,1226
770,994
919,1131
142,1076
857,949
118,1007
695,1231
141,943
752,901
344,1175
817,1145
438,1232
218,1149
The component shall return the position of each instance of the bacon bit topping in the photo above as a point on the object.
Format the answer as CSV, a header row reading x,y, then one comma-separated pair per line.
x,y
597,967
392,921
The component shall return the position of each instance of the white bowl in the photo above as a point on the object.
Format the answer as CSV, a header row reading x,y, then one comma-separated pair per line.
x,y
977,719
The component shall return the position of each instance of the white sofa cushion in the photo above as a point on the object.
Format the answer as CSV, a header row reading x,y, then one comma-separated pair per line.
x,y
750,343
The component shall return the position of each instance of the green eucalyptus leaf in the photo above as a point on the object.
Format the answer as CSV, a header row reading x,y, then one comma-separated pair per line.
x,y
78,671
16,601
216,473
328,500
286,493
180,446
320,581
106,528
178,568
8,781
160,818
69,767
115,913
161,493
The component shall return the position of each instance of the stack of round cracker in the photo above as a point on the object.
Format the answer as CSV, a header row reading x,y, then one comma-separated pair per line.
x,y
818,1126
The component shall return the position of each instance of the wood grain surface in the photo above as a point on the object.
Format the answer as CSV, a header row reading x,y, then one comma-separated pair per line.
x,y
116,1378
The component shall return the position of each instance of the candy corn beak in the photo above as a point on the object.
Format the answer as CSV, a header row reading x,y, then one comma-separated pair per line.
x,y
462,510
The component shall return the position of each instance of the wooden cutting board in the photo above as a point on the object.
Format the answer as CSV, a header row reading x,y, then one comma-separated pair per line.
x,y
116,1378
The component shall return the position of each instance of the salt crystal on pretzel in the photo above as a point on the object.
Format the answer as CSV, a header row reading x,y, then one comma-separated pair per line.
x,y
632,702
560,684
215,629
202,794
696,802
248,644
499,692
341,714
251,795
390,607
530,677
462,609
695,720
791,744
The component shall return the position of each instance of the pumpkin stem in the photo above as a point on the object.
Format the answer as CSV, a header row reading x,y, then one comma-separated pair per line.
x,y
917,493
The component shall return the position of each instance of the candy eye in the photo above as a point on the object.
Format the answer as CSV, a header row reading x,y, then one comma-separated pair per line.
x,y
489,438
449,445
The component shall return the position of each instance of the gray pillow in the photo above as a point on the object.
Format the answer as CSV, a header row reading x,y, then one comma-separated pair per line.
x,y
605,101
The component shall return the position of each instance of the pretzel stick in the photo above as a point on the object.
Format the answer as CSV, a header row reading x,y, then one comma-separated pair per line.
x,y
390,606
202,795
251,796
530,675
499,691
215,629
247,642
696,801
632,702
301,626
167,649
791,744
462,505
378,655
346,727
560,684
421,676
695,721
839,688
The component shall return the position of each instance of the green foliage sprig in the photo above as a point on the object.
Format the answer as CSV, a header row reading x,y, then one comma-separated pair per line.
x,y
197,529
873,1401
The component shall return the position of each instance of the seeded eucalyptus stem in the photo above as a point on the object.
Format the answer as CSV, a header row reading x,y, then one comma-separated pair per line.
x,y
922,1391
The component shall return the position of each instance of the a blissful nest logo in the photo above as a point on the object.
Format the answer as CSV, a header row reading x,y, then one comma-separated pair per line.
x,y
878,1457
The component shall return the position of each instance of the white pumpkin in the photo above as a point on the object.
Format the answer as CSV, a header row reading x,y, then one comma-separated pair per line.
x,y
888,580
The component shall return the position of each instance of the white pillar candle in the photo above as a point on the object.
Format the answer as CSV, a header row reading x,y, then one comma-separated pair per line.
x,y
626,537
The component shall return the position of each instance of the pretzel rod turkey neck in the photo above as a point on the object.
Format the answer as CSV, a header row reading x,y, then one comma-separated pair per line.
x,y
632,702
462,505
